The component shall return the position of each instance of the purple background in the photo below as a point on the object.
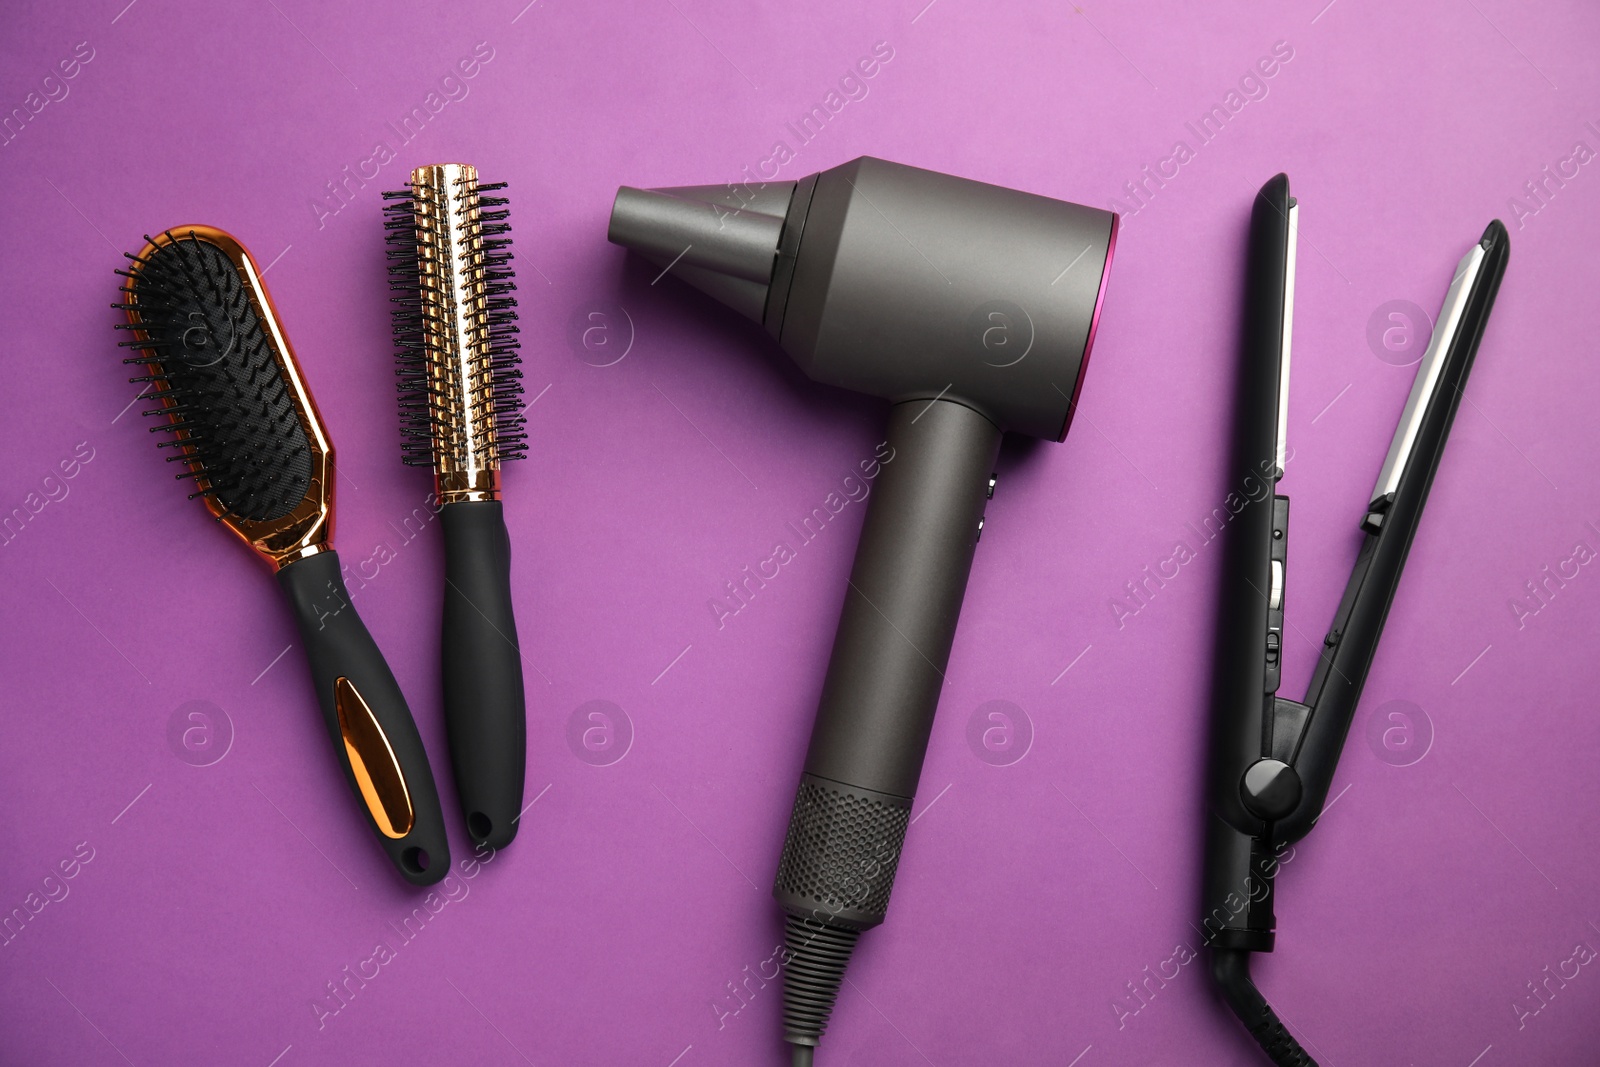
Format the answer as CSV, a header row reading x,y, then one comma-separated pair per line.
x,y
221,900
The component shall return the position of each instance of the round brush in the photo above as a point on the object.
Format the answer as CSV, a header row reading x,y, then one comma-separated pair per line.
x,y
461,413
245,430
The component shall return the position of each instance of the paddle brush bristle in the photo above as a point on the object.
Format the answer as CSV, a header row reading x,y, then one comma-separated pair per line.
x,y
221,392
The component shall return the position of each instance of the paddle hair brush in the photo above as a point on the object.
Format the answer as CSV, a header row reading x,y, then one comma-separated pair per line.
x,y
461,413
243,428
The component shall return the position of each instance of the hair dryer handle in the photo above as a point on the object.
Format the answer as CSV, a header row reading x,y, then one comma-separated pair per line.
x,y
888,664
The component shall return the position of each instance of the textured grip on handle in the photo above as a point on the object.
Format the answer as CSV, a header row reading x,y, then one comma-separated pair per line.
x,y
841,853
373,734
484,705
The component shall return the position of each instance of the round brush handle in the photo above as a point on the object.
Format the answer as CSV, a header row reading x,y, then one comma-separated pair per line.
x,y
484,706
889,657
373,734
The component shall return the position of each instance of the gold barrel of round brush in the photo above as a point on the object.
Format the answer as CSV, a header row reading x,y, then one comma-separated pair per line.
x,y
452,276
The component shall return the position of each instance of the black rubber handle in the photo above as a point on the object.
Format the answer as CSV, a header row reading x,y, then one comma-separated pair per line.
x,y
484,705
373,734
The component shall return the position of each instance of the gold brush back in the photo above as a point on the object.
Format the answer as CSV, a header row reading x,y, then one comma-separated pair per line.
x,y
308,528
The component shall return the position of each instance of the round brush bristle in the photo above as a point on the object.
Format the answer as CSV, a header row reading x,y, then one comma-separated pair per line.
x,y
454,321
221,391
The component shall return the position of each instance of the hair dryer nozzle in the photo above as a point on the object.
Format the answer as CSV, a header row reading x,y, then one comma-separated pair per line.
x,y
722,239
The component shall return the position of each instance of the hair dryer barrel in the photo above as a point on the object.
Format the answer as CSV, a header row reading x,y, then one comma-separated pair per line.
x,y
898,282
909,283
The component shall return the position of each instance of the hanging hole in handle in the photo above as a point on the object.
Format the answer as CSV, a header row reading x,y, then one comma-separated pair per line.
x,y
415,859
479,826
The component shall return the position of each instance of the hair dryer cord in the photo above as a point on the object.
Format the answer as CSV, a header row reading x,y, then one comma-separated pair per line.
x,y
816,959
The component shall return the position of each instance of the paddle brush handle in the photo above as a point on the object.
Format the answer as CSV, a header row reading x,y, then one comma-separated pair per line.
x,y
373,734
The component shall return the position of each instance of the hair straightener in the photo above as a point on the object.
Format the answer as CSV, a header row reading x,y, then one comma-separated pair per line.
x,y
243,427
1272,759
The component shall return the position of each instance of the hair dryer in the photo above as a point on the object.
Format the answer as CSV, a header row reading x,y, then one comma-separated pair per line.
x,y
972,309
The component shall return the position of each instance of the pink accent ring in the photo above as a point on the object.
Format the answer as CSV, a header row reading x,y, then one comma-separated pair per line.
x,y
1094,324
